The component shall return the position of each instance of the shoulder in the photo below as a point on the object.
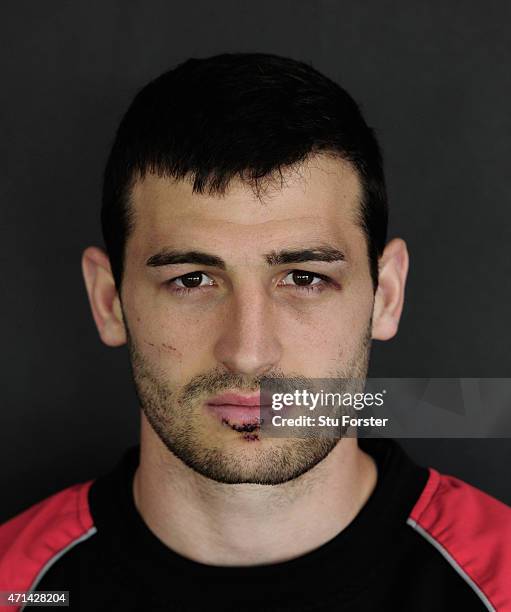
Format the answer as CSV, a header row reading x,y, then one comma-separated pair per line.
x,y
31,541
472,530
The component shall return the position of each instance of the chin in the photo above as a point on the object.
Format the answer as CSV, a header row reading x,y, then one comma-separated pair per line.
x,y
255,461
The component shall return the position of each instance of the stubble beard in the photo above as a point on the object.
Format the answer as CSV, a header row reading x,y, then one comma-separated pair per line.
x,y
176,417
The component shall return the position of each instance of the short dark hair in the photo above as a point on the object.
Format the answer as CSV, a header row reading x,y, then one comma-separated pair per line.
x,y
241,115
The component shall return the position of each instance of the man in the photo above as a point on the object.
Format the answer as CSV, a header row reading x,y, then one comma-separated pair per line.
x,y
245,218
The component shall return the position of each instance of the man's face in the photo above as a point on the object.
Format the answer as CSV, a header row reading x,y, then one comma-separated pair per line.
x,y
220,291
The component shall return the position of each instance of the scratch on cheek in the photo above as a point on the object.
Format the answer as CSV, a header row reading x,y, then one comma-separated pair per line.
x,y
169,347
164,347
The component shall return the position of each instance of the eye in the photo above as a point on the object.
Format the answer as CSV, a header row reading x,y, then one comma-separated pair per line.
x,y
302,278
303,281
190,281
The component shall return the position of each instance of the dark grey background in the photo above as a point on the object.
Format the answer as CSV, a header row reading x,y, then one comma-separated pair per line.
x,y
433,79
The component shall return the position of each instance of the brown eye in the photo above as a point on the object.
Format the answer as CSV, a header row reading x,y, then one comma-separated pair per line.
x,y
303,278
191,280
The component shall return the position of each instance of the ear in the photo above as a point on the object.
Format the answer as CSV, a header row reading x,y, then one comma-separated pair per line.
x,y
389,298
103,297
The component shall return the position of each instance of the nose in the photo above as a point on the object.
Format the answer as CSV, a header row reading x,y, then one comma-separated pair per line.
x,y
247,344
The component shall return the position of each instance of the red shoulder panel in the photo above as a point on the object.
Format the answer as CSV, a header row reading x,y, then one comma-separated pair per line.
x,y
29,541
474,529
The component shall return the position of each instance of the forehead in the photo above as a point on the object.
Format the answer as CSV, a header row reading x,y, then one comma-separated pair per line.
x,y
319,200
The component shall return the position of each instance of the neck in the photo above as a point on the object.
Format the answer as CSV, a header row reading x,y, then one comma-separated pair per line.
x,y
249,524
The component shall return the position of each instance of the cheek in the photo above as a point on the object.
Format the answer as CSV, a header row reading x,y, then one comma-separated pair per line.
x,y
177,345
326,335
316,343
173,340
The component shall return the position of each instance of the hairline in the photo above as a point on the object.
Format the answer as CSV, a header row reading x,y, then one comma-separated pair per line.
x,y
259,186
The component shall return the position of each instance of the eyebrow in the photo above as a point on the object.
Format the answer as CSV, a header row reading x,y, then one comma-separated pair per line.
x,y
320,253
167,257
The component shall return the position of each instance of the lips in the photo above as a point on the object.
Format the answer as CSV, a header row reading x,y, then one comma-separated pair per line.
x,y
237,410
236,399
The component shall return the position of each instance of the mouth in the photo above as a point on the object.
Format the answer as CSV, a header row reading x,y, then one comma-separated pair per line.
x,y
242,413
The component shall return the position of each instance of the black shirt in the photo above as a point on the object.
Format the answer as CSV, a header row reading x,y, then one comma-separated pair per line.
x,y
378,562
